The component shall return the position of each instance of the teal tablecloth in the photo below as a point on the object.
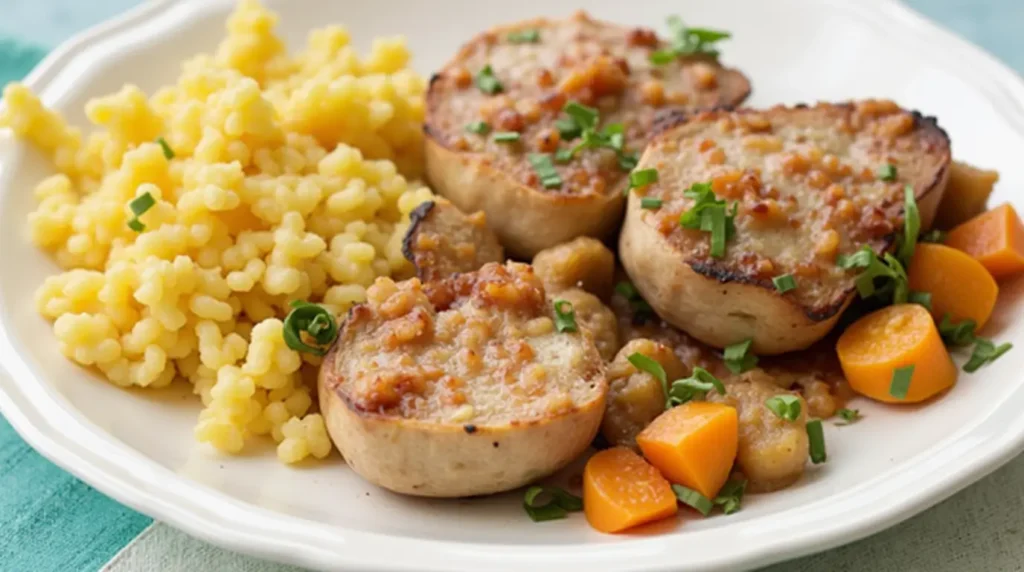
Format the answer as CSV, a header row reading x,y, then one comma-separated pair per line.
x,y
50,521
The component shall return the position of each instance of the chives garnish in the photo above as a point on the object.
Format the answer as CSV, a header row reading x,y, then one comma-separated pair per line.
x,y
168,152
563,155
565,319
693,499
709,214
506,136
545,169
956,333
848,415
731,495
628,161
700,382
316,321
887,172
650,203
487,82
816,435
138,206
784,283
738,357
985,352
911,225
662,57
530,36
479,127
642,178
559,504
651,366
583,116
641,309
900,384
568,128
785,406
688,41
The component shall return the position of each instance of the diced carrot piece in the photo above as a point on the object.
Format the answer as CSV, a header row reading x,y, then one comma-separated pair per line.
x,y
693,444
960,286
621,490
875,346
994,238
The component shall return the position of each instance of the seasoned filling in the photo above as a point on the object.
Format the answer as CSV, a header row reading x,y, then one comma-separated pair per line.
x,y
808,184
442,241
479,347
505,96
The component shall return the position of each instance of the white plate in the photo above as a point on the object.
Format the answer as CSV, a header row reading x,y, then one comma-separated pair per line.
x,y
137,446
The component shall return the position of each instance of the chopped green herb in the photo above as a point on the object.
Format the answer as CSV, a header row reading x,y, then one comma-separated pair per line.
x,y
582,122
487,82
628,161
956,334
545,169
651,366
479,127
894,286
693,499
650,203
563,155
688,41
985,352
849,416
559,503
887,172
911,225
922,298
568,128
642,178
731,495
700,382
816,436
506,136
168,152
138,206
529,36
565,319
709,214
784,283
738,357
900,384
934,235
312,321
785,406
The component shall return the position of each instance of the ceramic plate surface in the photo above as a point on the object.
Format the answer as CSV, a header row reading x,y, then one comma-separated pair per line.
x,y
137,446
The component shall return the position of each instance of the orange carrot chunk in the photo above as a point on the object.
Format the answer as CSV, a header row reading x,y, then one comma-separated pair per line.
x,y
960,286
895,355
693,444
620,491
994,238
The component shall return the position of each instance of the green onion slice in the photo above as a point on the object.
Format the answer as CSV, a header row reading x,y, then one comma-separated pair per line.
x,y
700,382
313,320
738,357
784,283
785,406
731,495
693,499
487,82
816,436
911,225
651,366
887,172
709,214
642,178
139,205
559,503
922,298
662,57
529,36
545,169
168,152
900,384
568,128
956,333
565,319
688,41
849,416
985,352
583,116
506,136
650,203
479,127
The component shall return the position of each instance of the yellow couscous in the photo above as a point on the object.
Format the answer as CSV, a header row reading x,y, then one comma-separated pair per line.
x,y
273,177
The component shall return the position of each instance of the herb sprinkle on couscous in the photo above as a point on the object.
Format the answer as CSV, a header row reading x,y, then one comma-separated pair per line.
x,y
189,220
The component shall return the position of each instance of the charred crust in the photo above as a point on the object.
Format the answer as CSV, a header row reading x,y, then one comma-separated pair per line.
x,y
417,216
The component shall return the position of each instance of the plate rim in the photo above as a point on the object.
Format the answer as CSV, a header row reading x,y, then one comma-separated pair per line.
x,y
42,417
